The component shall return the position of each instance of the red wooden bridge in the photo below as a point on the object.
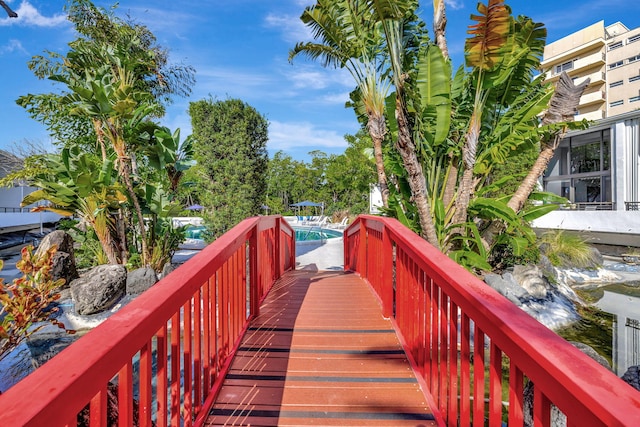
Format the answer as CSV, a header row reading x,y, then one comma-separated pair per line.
x,y
237,336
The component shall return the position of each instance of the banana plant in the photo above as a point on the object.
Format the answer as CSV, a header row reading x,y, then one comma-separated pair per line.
x,y
107,94
79,184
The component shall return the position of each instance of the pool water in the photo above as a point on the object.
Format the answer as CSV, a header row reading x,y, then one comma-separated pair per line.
x,y
310,234
195,232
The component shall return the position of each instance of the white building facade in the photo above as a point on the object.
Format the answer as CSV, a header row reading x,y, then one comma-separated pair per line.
x,y
598,171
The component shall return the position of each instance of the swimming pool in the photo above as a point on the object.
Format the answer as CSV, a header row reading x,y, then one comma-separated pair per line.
x,y
195,232
308,234
303,234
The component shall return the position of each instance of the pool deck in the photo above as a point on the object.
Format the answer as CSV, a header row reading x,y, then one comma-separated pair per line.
x,y
313,255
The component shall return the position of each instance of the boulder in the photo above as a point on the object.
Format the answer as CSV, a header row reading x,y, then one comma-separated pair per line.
x,y
64,262
140,280
531,279
99,288
44,346
168,268
58,238
507,286
632,377
548,270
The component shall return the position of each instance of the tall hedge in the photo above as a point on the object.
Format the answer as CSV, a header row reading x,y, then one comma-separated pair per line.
x,y
230,148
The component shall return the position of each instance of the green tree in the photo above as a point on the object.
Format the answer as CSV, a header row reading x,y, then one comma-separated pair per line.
x,y
283,183
349,175
451,131
116,80
230,148
348,37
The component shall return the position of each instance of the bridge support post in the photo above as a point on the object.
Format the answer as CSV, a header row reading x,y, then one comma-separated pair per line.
x,y
254,276
387,275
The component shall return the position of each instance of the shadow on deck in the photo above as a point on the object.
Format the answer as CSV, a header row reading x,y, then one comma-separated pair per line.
x,y
320,352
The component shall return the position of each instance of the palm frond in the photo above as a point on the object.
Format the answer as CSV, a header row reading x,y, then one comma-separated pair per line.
x,y
484,49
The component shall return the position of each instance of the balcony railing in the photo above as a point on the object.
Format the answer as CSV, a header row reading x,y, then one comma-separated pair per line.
x,y
475,351
178,336
589,206
632,206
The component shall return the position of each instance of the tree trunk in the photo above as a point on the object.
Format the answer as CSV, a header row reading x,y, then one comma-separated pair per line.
x,y
126,176
122,237
439,24
377,130
450,184
97,126
562,107
415,177
107,243
530,182
465,190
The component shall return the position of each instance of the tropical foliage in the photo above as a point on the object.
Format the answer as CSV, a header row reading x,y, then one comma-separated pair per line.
x,y
27,304
452,132
117,170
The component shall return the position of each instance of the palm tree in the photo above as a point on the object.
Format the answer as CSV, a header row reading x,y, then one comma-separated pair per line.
x,y
397,18
348,38
562,108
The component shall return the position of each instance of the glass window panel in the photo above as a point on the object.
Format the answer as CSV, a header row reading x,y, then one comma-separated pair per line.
x,y
587,190
606,150
559,164
606,189
585,152
561,188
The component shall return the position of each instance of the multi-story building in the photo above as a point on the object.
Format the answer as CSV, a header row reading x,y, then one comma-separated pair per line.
x,y
598,169
610,57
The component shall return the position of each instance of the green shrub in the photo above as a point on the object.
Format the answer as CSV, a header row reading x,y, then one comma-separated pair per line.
x,y
28,301
503,257
567,250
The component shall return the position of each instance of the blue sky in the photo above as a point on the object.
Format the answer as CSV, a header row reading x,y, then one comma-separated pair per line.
x,y
239,49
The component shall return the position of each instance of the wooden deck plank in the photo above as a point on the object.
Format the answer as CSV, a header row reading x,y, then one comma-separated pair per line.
x,y
320,353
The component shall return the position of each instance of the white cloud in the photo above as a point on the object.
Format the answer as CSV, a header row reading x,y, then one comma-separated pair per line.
x,y
315,77
306,78
13,46
303,3
292,28
286,136
30,16
166,19
454,4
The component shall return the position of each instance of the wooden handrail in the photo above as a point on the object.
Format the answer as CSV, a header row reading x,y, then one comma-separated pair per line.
x,y
183,330
461,336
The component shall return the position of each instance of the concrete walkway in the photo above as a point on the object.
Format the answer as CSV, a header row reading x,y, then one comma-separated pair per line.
x,y
313,255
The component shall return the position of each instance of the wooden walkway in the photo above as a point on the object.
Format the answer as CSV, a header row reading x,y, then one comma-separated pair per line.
x,y
320,353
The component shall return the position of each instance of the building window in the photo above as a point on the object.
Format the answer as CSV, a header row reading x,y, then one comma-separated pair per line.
x,y
581,168
616,64
618,83
616,103
633,38
615,45
633,59
634,99
564,67
634,78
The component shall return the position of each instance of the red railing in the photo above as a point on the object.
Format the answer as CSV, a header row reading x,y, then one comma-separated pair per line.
x,y
163,356
474,351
